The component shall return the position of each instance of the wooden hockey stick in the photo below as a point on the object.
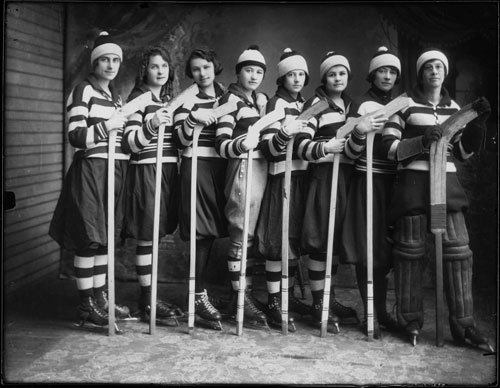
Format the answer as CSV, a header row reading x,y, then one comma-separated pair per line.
x,y
388,110
127,110
111,232
260,125
171,107
438,200
369,235
219,112
312,111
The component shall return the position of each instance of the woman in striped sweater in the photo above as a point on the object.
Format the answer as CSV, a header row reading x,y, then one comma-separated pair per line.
x,y
384,72
141,139
202,66
407,138
79,223
317,144
293,75
233,141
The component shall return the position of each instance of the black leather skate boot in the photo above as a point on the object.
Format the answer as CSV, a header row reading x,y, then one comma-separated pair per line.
x,y
89,311
101,298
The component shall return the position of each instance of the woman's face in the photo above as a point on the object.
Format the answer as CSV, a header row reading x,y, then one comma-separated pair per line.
x,y
336,79
203,72
433,73
385,78
107,67
157,71
250,77
294,81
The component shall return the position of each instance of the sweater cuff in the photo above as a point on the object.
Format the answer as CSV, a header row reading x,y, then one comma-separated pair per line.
x,y
101,131
150,131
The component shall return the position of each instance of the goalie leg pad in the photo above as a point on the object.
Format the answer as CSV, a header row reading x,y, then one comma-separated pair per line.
x,y
409,253
457,271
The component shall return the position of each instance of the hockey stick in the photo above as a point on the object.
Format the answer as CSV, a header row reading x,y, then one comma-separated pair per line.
x,y
219,112
388,110
111,233
127,110
369,235
438,200
171,107
259,125
312,111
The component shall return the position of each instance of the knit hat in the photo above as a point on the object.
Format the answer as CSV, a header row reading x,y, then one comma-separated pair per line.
x,y
291,60
429,55
251,57
383,57
333,59
105,44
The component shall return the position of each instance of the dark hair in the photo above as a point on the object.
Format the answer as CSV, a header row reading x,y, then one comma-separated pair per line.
x,y
371,77
206,54
281,80
142,76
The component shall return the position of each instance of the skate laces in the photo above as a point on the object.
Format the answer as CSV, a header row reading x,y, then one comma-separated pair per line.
x,y
95,308
205,301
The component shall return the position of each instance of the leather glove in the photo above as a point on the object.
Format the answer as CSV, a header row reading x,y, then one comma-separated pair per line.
x,y
483,108
432,133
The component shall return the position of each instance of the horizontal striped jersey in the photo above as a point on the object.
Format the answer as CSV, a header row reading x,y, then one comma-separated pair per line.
x,y
355,147
88,107
275,140
410,124
321,128
141,139
232,128
184,125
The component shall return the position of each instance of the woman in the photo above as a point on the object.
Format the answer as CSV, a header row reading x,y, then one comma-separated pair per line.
x,y
79,223
233,141
141,139
202,66
293,75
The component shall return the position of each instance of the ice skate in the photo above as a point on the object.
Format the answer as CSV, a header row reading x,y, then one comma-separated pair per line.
x,y
333,320
165,315
347,315
274,317
206,315
296,306
91,317
388,323
121,312
469,335
412,331
253,318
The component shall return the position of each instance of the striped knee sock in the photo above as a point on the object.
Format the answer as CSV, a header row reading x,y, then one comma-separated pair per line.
x,y
143,265
273,276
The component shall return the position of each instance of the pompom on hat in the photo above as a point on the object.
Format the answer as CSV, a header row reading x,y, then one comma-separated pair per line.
x,y
429,55
383,57
105,44
291,60
333,59
251,57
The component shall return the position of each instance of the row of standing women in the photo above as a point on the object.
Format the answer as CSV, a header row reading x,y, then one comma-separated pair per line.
x,y
400,183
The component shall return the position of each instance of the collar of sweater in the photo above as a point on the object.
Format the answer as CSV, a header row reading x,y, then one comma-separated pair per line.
x,y
417,94
285,95
237,90
380,95
92,80
219,91
321,93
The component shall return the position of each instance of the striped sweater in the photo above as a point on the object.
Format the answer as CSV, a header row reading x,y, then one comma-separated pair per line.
x,y
232,128
88,107
402,134
355,147
275,140
321,128
141,139
184,125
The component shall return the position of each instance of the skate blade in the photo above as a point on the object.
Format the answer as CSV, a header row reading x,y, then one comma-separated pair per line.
x,y
167,322
96,328
278,326
413,340
349,321
207,324
128,318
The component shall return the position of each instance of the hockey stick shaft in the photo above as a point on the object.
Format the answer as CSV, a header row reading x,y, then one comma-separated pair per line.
x,y
111,232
